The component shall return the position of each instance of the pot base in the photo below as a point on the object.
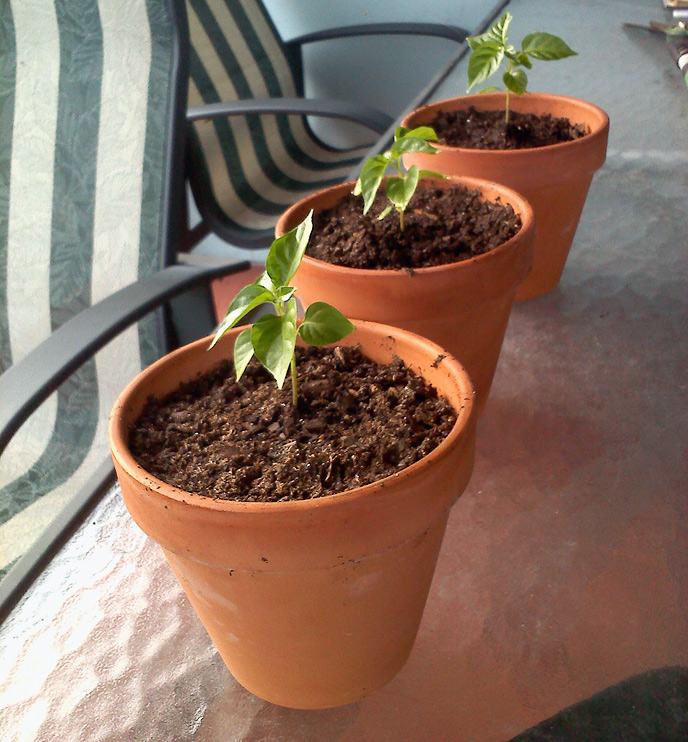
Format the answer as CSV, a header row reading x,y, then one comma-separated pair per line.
x,y
553,233
375,607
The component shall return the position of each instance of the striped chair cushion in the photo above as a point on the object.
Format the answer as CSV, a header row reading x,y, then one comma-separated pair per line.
x,y
248,169
84,94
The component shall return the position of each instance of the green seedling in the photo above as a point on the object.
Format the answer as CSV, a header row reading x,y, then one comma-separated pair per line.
x,y
492,49
400,187
272,338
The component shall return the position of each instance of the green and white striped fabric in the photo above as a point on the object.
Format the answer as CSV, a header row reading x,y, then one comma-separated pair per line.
x,y
84,111
248,169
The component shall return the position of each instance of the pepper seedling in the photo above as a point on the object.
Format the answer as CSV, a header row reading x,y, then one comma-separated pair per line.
x,y
401,187
492,49
272,338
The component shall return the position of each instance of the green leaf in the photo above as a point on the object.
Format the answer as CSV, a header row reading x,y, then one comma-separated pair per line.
x,y
274,339
248,298
546,46
243,352
519,58
484,62
500,29
497,33
410,183
422,132
516,81
323,324
412,144
400,190
291,311
490,89
475,42
285,293
430,174
384,212
370,178
287,251
265,281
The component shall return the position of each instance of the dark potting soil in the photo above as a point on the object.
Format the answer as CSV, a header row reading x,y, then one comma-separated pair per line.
x,y
442,225
357,422
488,129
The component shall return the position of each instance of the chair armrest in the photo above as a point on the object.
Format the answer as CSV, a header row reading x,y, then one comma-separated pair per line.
x,y
26,384
359,113
454,33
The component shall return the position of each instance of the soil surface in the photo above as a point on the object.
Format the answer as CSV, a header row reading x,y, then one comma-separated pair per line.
x,y
357,422
474,129
442,225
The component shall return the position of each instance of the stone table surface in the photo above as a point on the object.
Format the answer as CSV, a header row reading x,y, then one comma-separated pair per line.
x,y
565,565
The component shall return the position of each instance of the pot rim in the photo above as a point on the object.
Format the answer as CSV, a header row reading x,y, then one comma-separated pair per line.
x,y
464,416
600,116
512,197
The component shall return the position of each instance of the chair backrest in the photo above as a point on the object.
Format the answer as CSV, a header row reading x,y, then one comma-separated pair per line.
x,y
245,170
88,104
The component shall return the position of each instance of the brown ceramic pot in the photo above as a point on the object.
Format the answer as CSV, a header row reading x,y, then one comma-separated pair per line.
x,y
554,179
463,307
312,603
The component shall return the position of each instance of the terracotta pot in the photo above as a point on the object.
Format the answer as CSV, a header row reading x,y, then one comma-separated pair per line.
x,y
311,603
463,307
554,179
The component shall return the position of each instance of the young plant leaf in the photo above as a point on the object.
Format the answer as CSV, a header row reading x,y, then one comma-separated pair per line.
x,y
519,58
323,324
516,81
284,293
412,144
546,46
287,252
370,178
500,29
491,49
400,190
243,352
431,174
497,32
247,299
422,132
484,62
400,187
475,42
265,281
274,339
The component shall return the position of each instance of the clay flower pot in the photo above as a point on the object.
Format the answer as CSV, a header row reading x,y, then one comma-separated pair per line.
x,y
464,307
312,603
555,179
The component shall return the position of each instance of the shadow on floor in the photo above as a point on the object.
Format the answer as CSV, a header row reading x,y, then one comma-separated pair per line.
x,y
651,707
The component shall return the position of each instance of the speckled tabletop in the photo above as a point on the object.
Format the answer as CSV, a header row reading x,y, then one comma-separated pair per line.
x,y
565,565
